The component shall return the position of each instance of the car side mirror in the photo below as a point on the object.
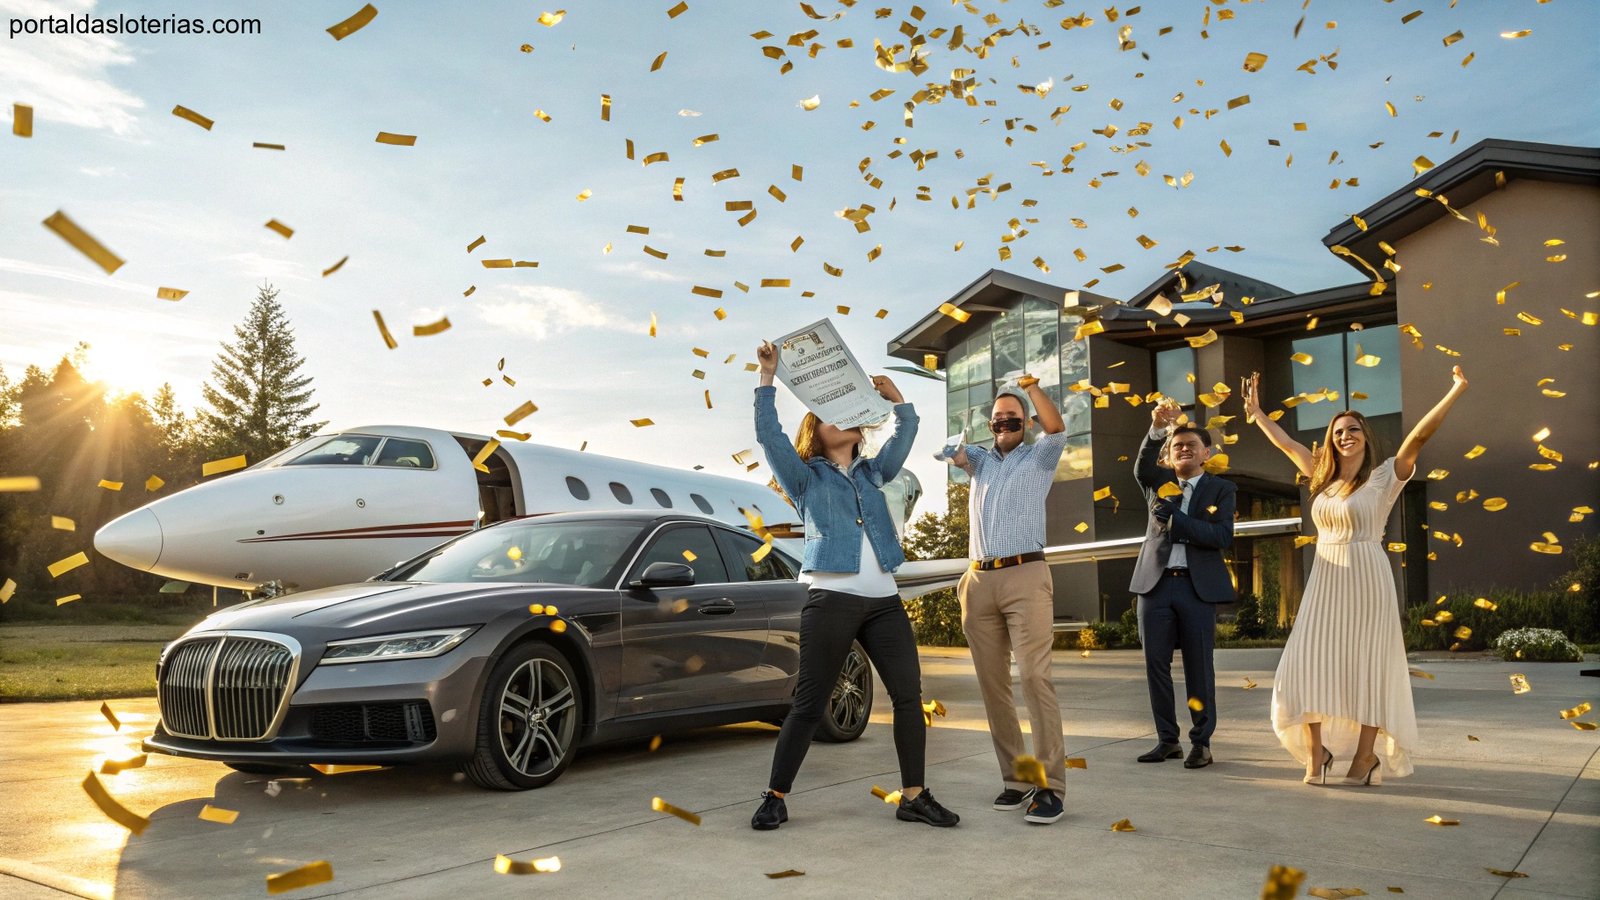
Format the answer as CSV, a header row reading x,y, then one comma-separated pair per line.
x,y
664,574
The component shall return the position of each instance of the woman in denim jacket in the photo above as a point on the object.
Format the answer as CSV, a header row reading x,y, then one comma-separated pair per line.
x,y
851,549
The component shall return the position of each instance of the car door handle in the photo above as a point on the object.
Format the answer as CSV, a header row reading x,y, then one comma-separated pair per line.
x,y
717,608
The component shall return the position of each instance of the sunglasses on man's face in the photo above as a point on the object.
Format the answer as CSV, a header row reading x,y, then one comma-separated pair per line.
x,y
1005,423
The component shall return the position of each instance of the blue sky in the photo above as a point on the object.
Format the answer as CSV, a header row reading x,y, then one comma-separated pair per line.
x,y
185,207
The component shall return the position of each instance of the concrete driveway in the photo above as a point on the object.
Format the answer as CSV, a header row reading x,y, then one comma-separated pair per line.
x,y
1527,795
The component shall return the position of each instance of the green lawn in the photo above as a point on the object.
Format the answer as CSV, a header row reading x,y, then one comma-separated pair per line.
x,y
69,662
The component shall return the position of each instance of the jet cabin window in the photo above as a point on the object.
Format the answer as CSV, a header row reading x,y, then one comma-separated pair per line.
x,y
661,498
339,450
405,454
701,502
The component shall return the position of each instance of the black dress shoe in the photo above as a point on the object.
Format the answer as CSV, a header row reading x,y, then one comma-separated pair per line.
x,y
771,814
1199,757
1163,752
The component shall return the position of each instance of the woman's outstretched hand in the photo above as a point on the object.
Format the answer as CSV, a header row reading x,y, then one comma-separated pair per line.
x,y
1460,383
767,354
1252,395
886,389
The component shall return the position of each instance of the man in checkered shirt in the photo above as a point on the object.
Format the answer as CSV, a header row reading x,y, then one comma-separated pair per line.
x,y
1007,597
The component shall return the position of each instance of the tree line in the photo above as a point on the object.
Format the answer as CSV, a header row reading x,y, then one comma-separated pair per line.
x,y
98,454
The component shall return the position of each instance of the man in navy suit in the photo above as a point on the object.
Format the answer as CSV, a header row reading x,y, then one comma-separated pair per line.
x,y
1181,576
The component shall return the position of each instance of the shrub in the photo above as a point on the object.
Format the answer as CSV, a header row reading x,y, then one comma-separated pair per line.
x,y
1227,631
1255,617
1536,645
1484,616
1128,627
1098,635
936,619
1581,588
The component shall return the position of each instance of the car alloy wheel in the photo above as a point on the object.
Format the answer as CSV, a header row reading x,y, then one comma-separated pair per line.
x,y
851,703
528,722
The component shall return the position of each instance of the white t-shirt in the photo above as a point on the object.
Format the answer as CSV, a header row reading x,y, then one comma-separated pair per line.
x,y
871,581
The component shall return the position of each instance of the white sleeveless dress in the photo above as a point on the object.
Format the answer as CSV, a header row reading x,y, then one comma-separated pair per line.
x,y
1345,662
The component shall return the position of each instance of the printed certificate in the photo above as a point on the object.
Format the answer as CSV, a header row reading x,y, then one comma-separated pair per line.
x,y
820,369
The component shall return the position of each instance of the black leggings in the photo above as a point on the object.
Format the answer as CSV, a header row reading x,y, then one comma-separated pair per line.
x,y
829,623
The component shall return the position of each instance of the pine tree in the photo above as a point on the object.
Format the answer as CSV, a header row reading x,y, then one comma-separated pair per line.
x,y
259,401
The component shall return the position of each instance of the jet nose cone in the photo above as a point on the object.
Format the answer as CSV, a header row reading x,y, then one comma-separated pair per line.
x,y
133,540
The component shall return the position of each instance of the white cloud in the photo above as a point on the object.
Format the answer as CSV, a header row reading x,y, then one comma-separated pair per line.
x,y
66,78
62,273
543,311
97,171
640,270
257,265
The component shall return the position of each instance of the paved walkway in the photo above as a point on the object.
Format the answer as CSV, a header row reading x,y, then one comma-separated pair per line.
x,y
1527,795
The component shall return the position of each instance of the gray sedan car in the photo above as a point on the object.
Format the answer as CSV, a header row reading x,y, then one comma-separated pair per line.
x,y
504,650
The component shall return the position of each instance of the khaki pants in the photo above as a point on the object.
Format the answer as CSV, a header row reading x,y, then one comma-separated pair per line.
x,y
1005,611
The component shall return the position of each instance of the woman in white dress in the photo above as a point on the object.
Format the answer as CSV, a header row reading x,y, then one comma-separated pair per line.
x,y
1342,679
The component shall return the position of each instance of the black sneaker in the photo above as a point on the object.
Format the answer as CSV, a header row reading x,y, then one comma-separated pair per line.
x,y
923,808
772,813
1046,808
1011,798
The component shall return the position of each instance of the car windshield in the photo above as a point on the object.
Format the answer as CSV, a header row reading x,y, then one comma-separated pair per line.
x,y
579,554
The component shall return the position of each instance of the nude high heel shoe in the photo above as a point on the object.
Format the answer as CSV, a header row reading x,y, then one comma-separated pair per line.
x,y
1322,776
1373,778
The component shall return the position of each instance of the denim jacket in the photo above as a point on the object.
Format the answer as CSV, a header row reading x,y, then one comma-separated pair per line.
x,y
834,503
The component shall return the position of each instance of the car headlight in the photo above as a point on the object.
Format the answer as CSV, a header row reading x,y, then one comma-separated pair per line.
x,y
410,645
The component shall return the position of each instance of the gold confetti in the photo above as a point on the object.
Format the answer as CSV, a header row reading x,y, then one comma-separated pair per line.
x,y
890,797
63,601
1237,102
1254,61
641,423
62,523
549,19
1283,883
63,566
116,725
1123,825
259,145
355,23
521,412
1440,820
656,66
8,590
1336,893
1169,489
1195,704
218,466
114,811
1505,874
21,120
584,195
1418,673
678,10
18,484
209,813
1577,711
1519,684
1584,726
280,228
689,555
1513,35
543,116
478,464
305,876
336,769
118,766
383,330
183,112
505,865
80,240
787,873
1029,769
431,328
955,312
662,806
109,485
397,140
1486,603
337,266
655,742
1248,684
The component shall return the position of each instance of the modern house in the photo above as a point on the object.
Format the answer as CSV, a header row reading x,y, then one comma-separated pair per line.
x,y
1490,260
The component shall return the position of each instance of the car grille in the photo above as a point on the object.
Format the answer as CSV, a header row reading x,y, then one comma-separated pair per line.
x,y
228,687
409,722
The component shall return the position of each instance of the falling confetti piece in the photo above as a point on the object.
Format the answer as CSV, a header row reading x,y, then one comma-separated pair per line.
x,y
1418,673
383,331
355,23
63,601
641,423
338,769
549,19
21,120
62,523
218,466
209,813
1029,769
80,240
114,811
397,140
280,228
890,797
662,806
118,766
183,112
109,485
431,328
105,710
521,412
678,10
1440,820
7,590
1283,883
305,876
18,484
1248,684
1195,704
63,566
1077,762
505,865
1576,711
1519,684
335,267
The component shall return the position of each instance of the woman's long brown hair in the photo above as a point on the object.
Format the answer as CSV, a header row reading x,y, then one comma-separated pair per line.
x,y
1325,460
806,442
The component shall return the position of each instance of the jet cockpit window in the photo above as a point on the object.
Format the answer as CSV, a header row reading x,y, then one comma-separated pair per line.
x,y
405,454
339,450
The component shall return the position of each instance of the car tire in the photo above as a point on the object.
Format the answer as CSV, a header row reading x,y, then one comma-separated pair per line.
x,y
270,769
527,720
850,705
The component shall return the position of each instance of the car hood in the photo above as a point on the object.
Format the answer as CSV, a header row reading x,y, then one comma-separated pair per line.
x,y
369,607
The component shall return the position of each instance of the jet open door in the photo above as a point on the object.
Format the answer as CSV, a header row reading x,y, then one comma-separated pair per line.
x,y
500,494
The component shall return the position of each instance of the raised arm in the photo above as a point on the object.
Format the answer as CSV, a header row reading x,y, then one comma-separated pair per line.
x,y
1291,448
1405,462
892,456
793,475
1049,417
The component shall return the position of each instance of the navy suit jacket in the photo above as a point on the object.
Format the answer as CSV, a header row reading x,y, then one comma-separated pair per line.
x,y
1205,531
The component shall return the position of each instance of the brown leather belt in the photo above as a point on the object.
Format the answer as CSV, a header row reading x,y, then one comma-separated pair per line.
x,y
988,565
1177,573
